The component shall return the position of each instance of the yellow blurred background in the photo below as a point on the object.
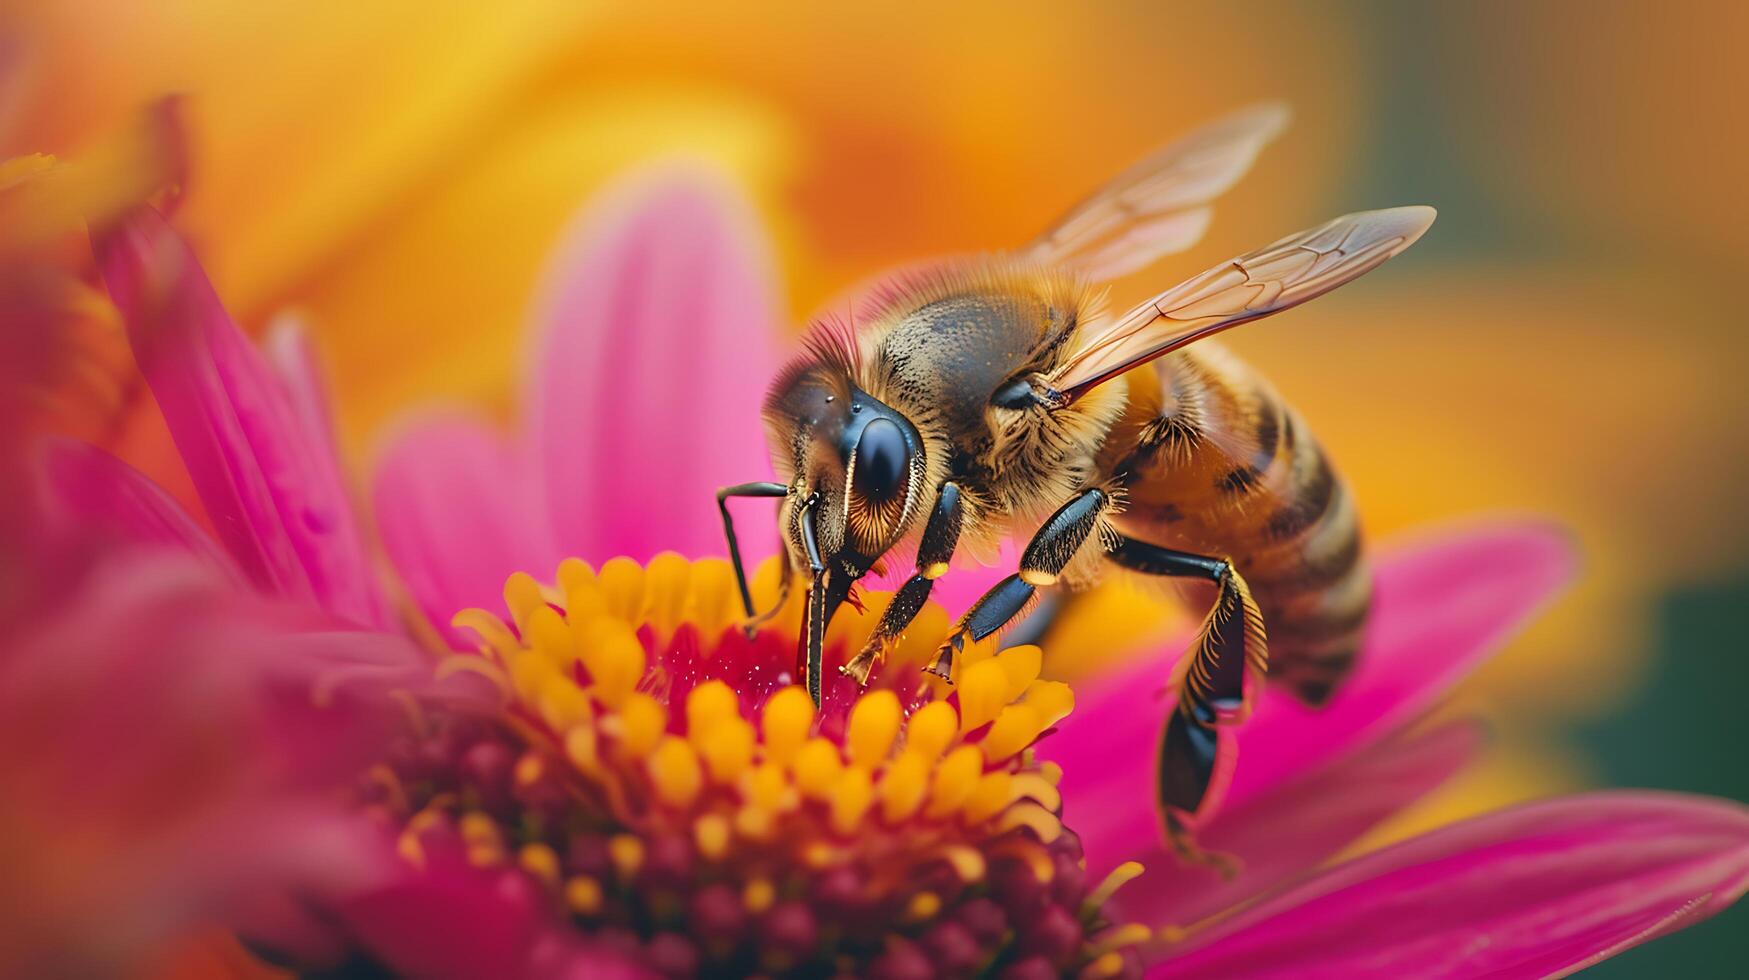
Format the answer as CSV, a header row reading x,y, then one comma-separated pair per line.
x,y
1563,342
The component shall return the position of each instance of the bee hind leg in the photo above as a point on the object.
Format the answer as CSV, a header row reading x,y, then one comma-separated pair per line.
x,y
1214,683
940,536
1046,555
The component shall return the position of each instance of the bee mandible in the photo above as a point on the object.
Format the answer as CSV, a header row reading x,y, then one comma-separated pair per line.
x,y
980,398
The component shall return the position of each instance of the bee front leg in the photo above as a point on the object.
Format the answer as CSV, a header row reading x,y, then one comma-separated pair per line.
x,y
1045,557
1211,687
760,489
940,536
785,584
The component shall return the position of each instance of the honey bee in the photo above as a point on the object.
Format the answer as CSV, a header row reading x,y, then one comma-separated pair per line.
x,y
978,398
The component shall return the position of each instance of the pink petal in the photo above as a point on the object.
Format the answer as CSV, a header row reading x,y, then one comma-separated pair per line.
x,y
447,922
1442,606
1535,891
450,919
968,580
655,347
292,355
1106,748
587,959
93,492
1286,835
177,750
459,510
269,483
965,583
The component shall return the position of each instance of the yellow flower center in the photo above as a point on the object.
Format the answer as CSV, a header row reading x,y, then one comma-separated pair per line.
x,y
656,771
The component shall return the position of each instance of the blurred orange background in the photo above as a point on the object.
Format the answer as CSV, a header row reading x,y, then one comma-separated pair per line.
x,y
1561,343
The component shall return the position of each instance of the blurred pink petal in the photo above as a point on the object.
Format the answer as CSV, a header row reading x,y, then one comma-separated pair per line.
x,y
452,920
173,751
292,355
654,348
269,482
91,490
1536,891
957,591
963,585
459,510
447,922
295,924
1287,834
1106,750
574,959
1443,605
968,580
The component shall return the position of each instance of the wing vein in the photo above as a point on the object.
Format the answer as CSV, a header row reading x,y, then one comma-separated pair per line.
x,y
1274,278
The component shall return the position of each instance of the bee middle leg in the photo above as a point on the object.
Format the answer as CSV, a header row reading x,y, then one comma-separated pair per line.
x,y
940,535
1046,555
1210,686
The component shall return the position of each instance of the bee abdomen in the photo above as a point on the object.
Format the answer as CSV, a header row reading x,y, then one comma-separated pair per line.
x,y
1224,468
1314,594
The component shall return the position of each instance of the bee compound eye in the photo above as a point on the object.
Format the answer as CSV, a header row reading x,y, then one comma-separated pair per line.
x,y
882,460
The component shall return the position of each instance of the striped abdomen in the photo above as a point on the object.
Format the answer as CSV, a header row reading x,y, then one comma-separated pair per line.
x,y
1215,463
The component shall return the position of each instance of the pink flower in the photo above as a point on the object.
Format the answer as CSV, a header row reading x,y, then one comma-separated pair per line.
x,y
171,745
251,426
626,770
170,751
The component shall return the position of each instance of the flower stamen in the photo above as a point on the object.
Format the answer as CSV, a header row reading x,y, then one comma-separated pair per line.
x,y
649,755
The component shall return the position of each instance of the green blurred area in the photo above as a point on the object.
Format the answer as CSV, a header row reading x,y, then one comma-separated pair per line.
x,y
1684,725
1685,730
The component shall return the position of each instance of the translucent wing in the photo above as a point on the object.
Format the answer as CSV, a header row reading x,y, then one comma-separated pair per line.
x,y
1154,208
1274,278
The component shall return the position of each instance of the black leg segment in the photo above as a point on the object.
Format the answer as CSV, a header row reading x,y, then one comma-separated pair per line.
x,y
940,535
1049,552
1210,684
996,607
761,489
1057,541
1152,559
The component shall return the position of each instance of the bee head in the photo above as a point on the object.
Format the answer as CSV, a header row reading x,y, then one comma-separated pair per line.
x,y
855,468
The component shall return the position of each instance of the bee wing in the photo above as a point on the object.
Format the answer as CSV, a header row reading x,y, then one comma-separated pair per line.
x,y
1154,208
1273,278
